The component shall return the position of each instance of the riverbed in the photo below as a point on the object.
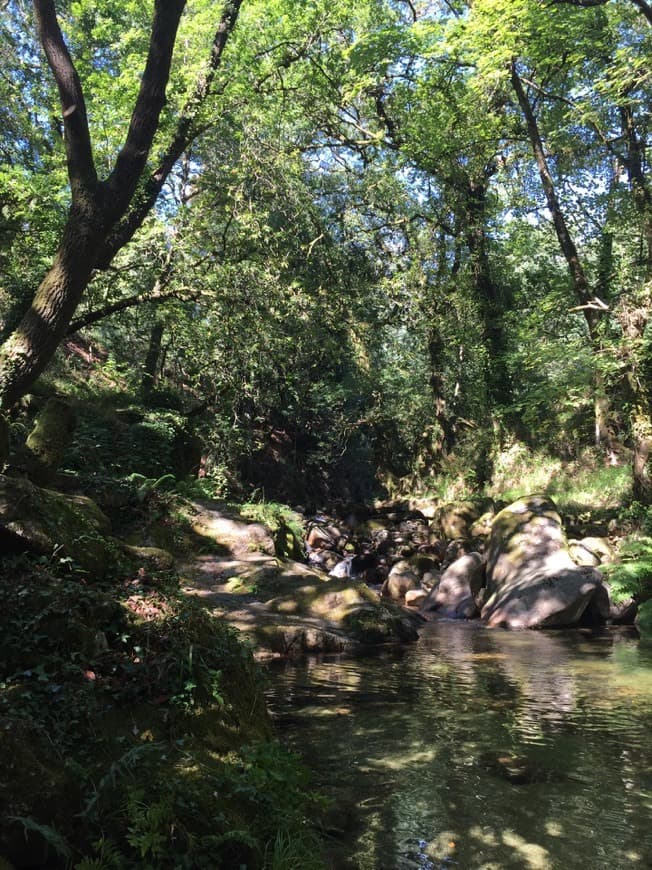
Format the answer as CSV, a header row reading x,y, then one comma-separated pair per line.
x,y
479,749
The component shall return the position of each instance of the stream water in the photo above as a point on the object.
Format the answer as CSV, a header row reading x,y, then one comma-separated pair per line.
x,y
479,749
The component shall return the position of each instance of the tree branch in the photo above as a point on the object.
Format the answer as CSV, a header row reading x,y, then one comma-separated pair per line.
x,y
183,136
79,152
566,242
132,159
643,5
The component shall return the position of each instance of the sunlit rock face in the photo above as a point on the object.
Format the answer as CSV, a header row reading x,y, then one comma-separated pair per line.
x,y
532,582
455,594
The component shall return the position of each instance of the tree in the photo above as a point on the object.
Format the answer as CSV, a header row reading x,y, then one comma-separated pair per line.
x,y
104,213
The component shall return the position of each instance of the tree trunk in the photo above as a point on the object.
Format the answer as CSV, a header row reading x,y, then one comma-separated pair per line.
x,y
103,216
636,321
150,369
641,483
486,290
591,308
446,436
30,347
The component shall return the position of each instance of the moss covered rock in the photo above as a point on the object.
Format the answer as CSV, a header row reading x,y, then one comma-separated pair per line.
x,y
644,620
48,440
532,582
47,523
343,606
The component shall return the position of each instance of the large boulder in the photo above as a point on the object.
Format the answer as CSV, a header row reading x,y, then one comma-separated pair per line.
x,y
341,607
455,520
532,581
455,594
48,523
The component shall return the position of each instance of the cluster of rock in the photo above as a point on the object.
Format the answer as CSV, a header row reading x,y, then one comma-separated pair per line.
x,y
511,567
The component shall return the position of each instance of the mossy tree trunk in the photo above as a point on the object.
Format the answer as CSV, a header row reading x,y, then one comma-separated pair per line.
x,y
48,440
150,369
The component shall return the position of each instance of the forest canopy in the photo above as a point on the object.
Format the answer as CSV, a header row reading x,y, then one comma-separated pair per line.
x,y
363,243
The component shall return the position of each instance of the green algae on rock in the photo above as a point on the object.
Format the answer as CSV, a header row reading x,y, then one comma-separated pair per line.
x,y
46,522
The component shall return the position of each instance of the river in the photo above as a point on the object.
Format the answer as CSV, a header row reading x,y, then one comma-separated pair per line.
x,y
479,749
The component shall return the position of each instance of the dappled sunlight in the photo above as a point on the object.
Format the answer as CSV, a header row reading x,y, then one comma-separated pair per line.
x,y
478,749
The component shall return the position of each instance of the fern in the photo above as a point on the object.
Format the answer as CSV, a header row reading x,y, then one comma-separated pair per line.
x,y
120,769
49,833
108,857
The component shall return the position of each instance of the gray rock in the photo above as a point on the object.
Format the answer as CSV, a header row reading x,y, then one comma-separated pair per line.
x,y
532,582
455,594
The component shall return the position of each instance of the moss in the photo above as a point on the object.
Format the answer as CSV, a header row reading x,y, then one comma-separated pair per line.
x,y
49,524
378,625
154,558
48,440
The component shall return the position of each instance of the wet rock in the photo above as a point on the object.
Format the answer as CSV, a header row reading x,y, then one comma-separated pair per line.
x,y
324,560
623,612
319,537
415,597
516,769
343,569
430,579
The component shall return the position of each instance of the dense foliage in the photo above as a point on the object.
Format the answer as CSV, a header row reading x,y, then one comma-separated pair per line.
x,y
396,233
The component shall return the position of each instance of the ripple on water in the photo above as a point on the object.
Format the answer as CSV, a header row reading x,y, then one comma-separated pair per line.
x,y
478,749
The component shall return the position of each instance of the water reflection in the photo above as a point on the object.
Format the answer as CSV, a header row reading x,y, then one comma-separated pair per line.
x,y
480,749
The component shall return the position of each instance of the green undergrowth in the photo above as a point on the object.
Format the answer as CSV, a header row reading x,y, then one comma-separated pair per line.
x,y
631,575
586,481
135,733
515,470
